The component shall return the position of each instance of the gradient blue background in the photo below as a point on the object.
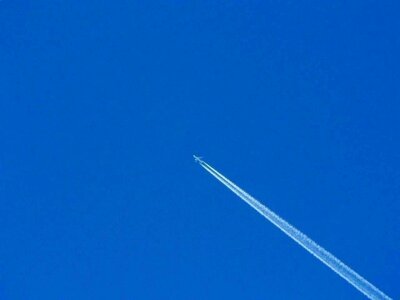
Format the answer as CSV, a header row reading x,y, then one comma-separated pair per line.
x,y
103,103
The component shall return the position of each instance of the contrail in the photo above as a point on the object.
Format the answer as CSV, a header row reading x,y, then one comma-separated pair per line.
x,y
360,283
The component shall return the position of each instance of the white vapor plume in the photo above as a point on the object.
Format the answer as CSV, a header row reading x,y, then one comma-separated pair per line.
x,y
323,255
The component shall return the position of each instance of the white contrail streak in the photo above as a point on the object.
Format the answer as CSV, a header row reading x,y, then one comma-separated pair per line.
x,y
365,287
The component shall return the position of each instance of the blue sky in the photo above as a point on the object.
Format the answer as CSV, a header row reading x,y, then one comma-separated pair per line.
x,y
103,103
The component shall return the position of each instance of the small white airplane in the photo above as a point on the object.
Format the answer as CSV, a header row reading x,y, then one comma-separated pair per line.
x,y
197,158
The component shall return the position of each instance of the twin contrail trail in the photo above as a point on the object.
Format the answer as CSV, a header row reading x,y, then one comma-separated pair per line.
x,y
360,283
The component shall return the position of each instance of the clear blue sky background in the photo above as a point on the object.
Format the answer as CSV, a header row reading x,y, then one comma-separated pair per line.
x,y
103,103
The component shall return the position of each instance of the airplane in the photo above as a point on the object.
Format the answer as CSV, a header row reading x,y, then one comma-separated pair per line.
x,y
197,159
